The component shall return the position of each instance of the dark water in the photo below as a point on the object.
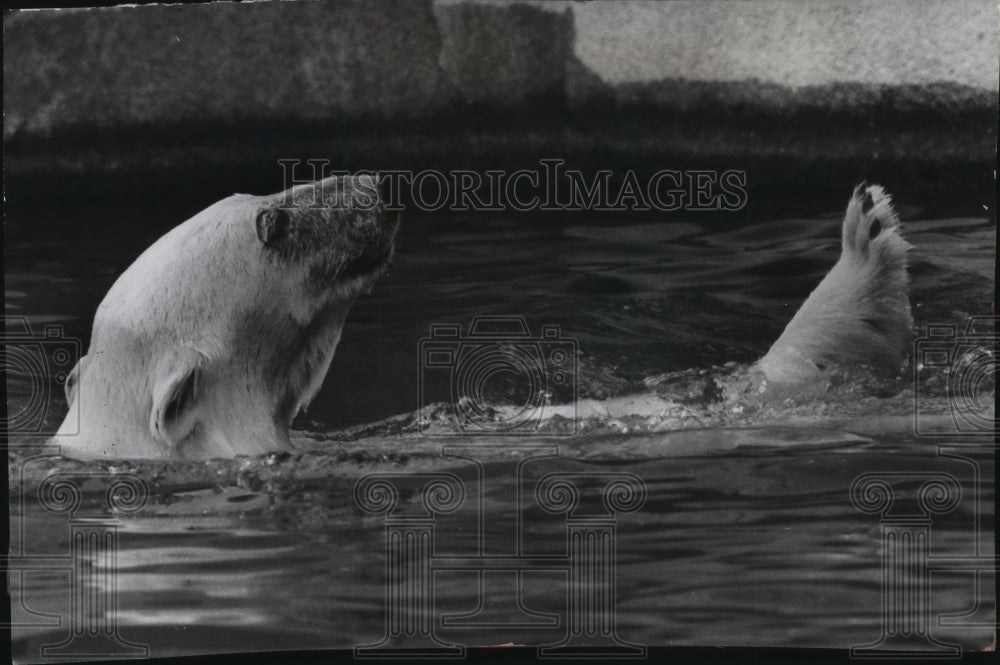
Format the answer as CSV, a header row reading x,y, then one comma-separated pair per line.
x,y
747,534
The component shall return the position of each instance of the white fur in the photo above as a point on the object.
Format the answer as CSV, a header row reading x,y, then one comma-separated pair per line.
x,y
206,313
859,315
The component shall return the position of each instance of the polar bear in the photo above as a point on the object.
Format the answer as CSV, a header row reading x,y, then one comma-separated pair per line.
x,y
859,315
857,318
212,341
223,330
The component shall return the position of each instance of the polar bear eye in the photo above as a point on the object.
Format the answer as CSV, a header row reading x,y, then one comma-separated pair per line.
x,y
272,225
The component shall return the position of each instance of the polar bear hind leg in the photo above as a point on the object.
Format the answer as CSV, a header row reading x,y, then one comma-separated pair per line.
x,y
859,315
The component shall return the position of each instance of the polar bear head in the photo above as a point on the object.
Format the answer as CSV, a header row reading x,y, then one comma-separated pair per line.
x,y
223,330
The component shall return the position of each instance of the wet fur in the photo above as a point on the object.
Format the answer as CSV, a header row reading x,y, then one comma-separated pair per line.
x,y
859,315
223,330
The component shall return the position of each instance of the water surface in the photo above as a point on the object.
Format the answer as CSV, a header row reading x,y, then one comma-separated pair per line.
x,y
747,534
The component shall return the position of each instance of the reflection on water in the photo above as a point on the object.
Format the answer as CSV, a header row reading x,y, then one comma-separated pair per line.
x,y
747,536
759,545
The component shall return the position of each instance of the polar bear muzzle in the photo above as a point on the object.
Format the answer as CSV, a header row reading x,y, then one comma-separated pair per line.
x,y
338,228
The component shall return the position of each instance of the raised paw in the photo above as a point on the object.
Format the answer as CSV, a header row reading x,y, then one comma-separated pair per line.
x,y
859,315
870,217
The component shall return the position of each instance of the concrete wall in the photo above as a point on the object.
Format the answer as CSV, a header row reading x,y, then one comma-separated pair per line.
x,y
411,83
309,60
222,61
794,43
503,55
296,61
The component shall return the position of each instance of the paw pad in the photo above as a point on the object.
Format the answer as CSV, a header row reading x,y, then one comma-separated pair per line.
x,y
867,203
869,216
875,229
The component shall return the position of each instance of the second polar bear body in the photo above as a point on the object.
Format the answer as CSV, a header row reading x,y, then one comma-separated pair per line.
x,y
859,315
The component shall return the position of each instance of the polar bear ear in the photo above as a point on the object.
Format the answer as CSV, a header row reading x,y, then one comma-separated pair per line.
x,y
175,396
